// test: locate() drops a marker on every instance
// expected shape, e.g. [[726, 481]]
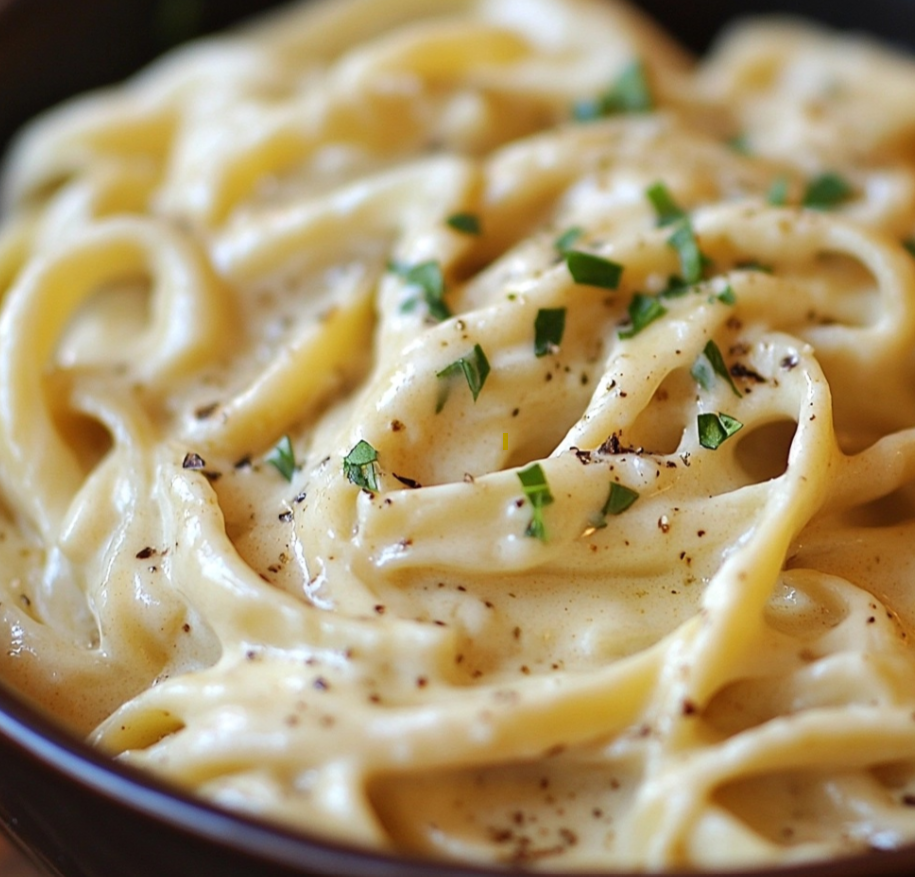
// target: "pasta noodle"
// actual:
[[477, 430]]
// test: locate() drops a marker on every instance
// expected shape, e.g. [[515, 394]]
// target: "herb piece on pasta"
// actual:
[[629, 93], [549, 327], [474, 367], [567, 240], [716, 429], [777, 195], [537, 493], [692, 261], [590, 270], [666, 208], [827, 191], [359, 465], [466, 223], [282, 458], [427, 277], [710, 363], [619, 500], [643, 310]]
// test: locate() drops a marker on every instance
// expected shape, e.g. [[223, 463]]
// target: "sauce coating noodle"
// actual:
[[478, 430]]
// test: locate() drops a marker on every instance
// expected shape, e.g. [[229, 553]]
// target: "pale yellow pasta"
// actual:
[[632, 593]]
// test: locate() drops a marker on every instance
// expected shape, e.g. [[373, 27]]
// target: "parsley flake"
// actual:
[[568, 239], [827, 191], [676, 287], [727, 296], [359, 465], [740, 143], [643, 310], [710, 362], [549, 326], [629, 93], [590, 270], [777, 195], [619, 499], [667, 210], [692, 261], [909, 244], [537, 493], [467, 223], [475, 368], [428, 278], [715, 429], [282, 458]]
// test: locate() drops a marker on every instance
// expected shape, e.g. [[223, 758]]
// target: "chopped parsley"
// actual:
[[428, 278], [667, 210], [475, 369], [709, 363], [777, 195], [827, 191], [629, 93], [909, 244], [282, 458], [676, 286], [549, 326], [643, 310], [754, 265], [740, 143], [359, 465], [537, 493], [727, 296], [590, 270], [568, 239], [715, 429], [619, 499], [467, 223], [692, 261]]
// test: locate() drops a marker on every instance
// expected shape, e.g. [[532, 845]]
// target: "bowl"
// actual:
[[74, 812]]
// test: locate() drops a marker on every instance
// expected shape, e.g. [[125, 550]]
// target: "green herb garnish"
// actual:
[[909, 244], [567, 239], [740, 143], [282, 458], [777, 195], [754, 265], [827, 191], [643, 310], [692, 261], [467, 223], [629, 93], [675, 288], [727, 296], [549, 326], [590, 270], [359, 465], [666, 209], [619, 499], [537, 493], [475, 369], [715, 429], [428, 278], [710, 362]]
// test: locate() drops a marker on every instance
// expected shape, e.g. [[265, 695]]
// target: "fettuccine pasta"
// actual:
[[477, 430]]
